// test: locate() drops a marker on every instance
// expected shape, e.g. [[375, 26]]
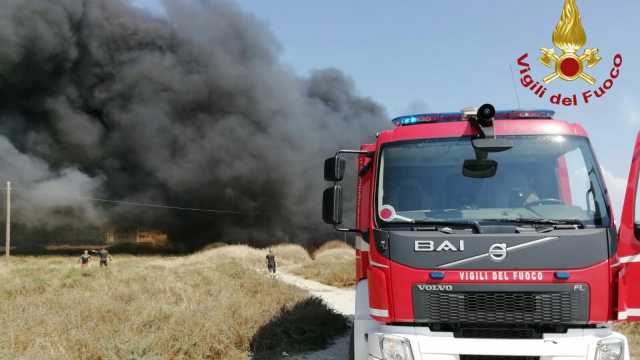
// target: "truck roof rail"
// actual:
[[460, 116]]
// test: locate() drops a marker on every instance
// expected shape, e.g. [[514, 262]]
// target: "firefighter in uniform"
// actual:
[[271, 262], [84, 258], [104, 256]]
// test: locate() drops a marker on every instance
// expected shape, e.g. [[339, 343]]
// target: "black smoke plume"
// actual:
[[99, 99]]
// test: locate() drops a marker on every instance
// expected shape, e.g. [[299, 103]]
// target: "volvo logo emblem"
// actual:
[[498, 252], [435, 287]]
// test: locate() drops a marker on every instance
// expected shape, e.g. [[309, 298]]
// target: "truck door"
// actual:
[[629, 245], [363, 210]]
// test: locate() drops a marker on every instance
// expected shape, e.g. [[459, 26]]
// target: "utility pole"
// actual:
[[7, 244]]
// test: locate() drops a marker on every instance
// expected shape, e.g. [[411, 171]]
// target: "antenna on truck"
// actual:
[[515, 88]]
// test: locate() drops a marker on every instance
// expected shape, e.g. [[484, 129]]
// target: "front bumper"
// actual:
[[576, 344]]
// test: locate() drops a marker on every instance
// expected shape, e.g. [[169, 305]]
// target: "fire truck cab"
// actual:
[[487, 235]]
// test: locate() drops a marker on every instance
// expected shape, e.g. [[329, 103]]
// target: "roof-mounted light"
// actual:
[[460, 116], [524, 114], [427, 118]]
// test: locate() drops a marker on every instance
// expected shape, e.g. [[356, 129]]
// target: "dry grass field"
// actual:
[[210, 305], [333, 264]]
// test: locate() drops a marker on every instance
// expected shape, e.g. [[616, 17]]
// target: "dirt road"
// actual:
[[342, 300]]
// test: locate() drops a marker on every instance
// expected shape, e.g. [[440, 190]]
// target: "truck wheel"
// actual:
[[351, 344]]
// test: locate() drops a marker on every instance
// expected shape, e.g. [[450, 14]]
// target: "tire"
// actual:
[[352, 344]]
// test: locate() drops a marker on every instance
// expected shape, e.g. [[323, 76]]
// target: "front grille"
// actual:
[[497, 333], [502, 304], [489, 357]]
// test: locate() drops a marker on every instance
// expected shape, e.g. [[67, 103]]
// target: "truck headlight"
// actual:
[[395, 348], [610, 349]]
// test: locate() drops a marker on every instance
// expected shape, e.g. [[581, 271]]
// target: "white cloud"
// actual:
[[634, 116], [617, 186], [631, 110]]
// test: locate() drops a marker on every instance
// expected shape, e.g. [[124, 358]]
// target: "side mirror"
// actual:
[[479, 169], [334, 168], [332, 205], [492, 144]]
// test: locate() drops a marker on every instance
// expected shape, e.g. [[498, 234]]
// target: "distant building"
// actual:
[[154, 238]]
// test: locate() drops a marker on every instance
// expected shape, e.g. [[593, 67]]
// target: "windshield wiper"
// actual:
[[401, 219], [539, 221], [473, 223]]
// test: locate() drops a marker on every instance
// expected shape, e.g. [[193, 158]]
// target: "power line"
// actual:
[[162, 206], [143, 204]]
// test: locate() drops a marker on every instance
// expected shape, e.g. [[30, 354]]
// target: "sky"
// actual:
[[439, 56]]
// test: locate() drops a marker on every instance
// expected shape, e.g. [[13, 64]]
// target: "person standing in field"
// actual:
[[271, 262], [84, 259], [104, 257]]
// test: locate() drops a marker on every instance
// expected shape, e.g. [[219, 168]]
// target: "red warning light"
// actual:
[[387, 212]]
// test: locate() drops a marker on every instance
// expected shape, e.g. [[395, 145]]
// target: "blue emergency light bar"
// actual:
[[460, 116]]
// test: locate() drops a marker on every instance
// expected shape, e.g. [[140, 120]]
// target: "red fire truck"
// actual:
[[487, 235]]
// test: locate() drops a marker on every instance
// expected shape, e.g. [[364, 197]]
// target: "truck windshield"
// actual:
[[550, 178]]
